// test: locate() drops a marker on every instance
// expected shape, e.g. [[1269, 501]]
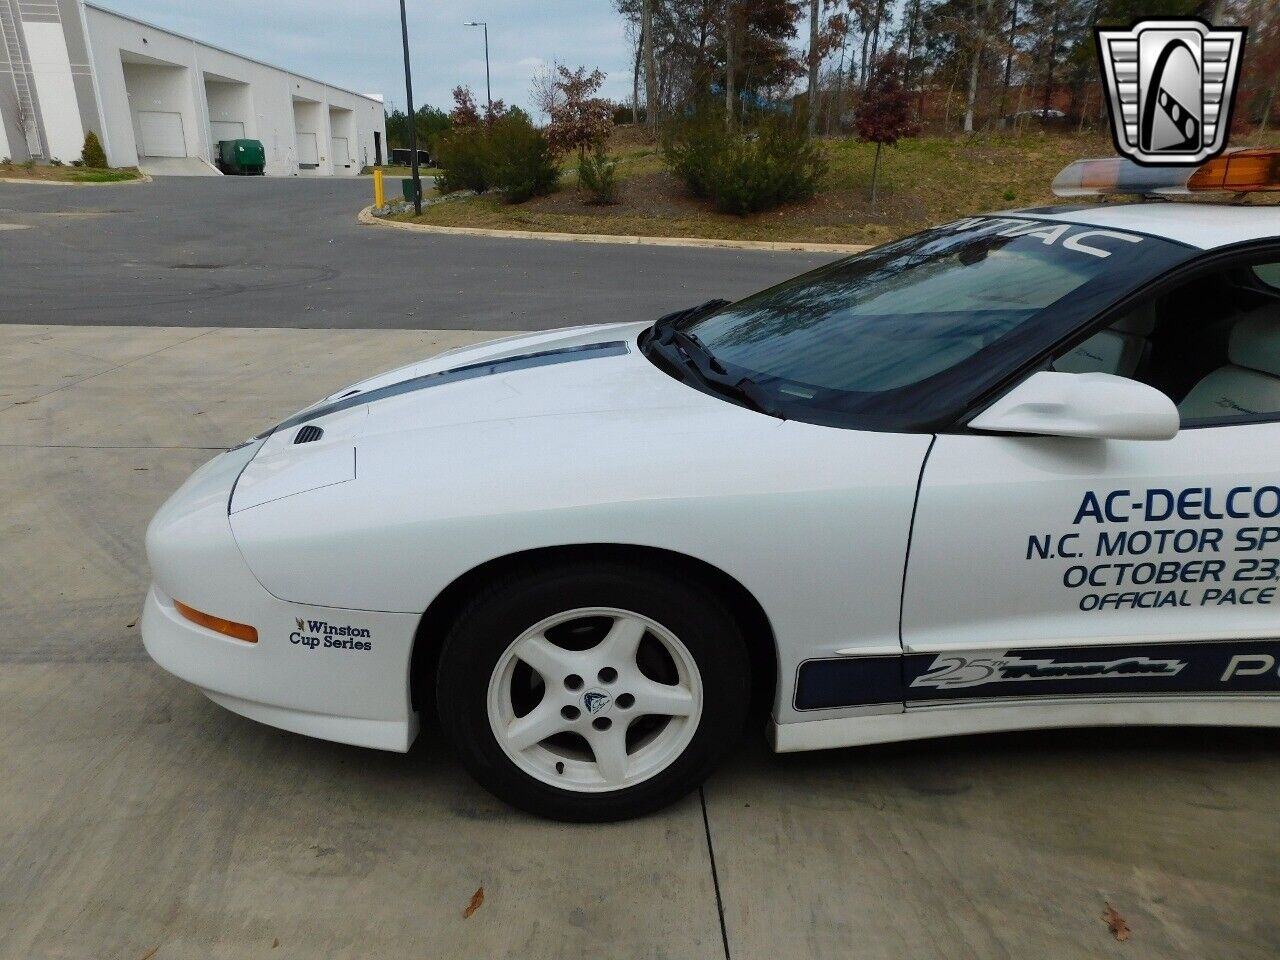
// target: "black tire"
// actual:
[[498, 614]]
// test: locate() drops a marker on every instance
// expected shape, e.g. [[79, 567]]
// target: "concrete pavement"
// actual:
[[268, 252], [138, 820]]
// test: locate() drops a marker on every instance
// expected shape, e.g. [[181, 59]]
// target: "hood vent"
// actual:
[[308, 434]]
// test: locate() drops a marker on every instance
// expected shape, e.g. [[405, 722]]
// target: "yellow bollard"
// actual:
[[379, 198]]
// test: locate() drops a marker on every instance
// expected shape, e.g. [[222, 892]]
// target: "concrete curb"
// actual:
[[141, 178], [366, 216]]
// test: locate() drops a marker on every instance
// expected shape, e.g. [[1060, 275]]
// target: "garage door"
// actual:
[[308, 153], [340, 152], [161, 134], [227, 130]]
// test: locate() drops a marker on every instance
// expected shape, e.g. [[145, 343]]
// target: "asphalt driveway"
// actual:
[[139, 820], [281, 252]]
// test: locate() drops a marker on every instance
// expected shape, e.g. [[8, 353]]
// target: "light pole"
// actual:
[[413, 120], [488, 90]]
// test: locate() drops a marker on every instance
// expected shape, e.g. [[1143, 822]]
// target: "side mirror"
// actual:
[[1095, 405]]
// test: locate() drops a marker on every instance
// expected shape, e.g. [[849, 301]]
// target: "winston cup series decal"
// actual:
[[1170, 85], [322, 635]]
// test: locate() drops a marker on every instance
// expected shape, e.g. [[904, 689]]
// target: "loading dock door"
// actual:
[[308, 152], [226, 130], [340, 152], [161, 134]]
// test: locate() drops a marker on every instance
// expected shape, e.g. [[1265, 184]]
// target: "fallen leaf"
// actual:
[[477, 899], [150, 953], [275, 943], [1115, 923]]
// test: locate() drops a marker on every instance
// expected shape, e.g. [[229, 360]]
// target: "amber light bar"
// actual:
[[241, 631], [1238, 171], [1241, 171]]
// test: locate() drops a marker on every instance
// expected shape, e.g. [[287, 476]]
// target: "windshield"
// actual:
[[897, 337]]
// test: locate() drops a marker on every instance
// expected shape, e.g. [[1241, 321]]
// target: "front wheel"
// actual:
[[593, 692]]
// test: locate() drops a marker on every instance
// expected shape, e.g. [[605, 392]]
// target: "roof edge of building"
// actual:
[[213, 46]]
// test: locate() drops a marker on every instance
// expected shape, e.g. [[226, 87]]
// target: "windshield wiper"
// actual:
[[703, 364], [670, 321], [694, 356]]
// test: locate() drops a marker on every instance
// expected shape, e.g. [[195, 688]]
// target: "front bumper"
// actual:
[[326, 672]]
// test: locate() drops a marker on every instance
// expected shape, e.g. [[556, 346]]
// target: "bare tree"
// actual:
[[1008, 57], [543, 92], [650, 66], [981, 16], [730, 59], [814, 59], [633, 36]]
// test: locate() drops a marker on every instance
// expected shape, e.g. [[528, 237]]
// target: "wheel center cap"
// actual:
[[596, 701]]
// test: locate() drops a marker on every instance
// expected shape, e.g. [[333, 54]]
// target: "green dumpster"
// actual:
[[242, 157]]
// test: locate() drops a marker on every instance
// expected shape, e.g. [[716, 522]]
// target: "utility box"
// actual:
[[245, 158], [406, 189]]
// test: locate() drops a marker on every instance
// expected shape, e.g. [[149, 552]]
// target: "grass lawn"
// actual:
[[923, 181], [67, 174]]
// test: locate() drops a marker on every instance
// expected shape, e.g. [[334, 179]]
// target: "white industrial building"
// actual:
[[162, 101]]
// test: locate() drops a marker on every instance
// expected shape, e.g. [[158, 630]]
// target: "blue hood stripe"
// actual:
[[472, 371]]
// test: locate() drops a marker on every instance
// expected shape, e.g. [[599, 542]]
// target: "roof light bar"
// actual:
[[1238, 171]]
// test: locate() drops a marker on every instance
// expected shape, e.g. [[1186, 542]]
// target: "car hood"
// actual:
[[595, 377]]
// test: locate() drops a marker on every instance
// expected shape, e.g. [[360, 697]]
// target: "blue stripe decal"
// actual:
[[1207, 667], [487, 368]]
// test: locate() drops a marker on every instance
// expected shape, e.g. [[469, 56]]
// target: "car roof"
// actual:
[[1202, 225]]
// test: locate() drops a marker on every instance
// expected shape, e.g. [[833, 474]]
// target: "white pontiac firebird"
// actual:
[[1018, 471]]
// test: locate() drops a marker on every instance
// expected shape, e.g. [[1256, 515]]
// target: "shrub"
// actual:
[[597, 174], [55, 162], [519, 159], [93, 154], [463, 155], [623, 114], [510, 153], [29, 163], [745, 173]]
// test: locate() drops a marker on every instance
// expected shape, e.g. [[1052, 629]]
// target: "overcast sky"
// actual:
[[356, 43]]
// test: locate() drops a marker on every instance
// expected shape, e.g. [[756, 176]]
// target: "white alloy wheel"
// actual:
[[595, 699]]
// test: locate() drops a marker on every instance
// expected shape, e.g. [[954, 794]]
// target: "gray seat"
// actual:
[[1119, 349], [1249, 385]]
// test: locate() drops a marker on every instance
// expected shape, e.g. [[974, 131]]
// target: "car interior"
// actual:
[[1213, 346]]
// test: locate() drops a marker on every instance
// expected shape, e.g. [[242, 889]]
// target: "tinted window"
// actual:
[[897, 337]]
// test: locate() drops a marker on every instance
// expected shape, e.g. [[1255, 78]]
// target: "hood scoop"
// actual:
[[309, 434]]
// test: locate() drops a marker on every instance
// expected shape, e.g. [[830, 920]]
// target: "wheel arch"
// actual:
[[752, 620]]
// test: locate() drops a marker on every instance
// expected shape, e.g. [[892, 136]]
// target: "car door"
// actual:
[[1047, 567]]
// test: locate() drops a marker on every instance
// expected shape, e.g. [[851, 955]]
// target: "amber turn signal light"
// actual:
[[241, 631]]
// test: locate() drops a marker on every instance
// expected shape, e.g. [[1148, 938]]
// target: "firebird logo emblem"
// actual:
[[595, 701]]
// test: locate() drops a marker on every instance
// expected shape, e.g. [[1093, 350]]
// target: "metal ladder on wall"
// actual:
[[9, 20]]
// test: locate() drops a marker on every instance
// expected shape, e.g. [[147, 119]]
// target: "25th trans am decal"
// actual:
[[1210, 667]]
